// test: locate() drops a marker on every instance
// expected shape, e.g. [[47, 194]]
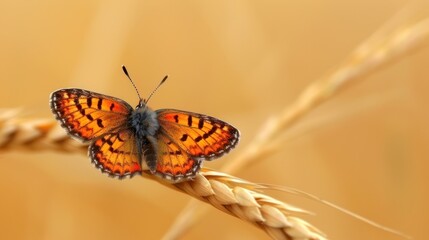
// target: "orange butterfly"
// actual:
[[173, 143]]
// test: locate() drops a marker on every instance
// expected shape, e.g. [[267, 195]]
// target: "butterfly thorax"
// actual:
[[143, 121], [144, 124]]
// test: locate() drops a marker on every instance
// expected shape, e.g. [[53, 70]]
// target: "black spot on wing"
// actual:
[[190, 120], [177, 152], [119, 138], [184, 137], [201, 123], [99, 104], [213, 130], [109, 141], [89, 101], [100, 123]]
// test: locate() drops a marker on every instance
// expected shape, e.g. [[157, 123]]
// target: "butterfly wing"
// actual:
[[185, 139], [116, 154], [87, 115], [173, 163]]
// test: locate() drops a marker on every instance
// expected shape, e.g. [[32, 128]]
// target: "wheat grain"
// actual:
[[243, 200], [34, 134]]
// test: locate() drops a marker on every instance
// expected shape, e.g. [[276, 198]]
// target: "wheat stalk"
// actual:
[[380, 49], [237, 197], [243, 199], [34, 134]]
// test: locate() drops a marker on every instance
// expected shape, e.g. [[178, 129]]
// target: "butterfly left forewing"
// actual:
[[185, 139]]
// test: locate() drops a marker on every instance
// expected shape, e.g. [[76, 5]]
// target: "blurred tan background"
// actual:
[[242, 61]]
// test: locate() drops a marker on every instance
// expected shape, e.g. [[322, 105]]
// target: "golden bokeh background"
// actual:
[[366, 149]]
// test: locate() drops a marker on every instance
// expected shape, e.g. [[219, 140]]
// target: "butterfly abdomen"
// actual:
[[145, 126]]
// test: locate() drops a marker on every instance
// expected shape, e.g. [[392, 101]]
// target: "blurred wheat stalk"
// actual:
[[234, 196], [383, 47]]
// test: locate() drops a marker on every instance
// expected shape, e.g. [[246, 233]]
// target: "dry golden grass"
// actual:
[[225, 192]]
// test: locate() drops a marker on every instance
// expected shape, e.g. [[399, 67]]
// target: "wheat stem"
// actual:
[[377, 51]]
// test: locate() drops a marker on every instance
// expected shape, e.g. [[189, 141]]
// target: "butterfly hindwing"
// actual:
[[116, 154], [87, 115], [173, 163]]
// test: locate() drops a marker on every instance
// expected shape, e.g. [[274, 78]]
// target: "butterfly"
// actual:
[[124, 141]]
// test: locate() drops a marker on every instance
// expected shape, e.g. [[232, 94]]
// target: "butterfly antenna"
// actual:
[[159, 85], [128, 76]]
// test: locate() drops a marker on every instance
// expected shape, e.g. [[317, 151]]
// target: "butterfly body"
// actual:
[[144, 125], [124, 141]]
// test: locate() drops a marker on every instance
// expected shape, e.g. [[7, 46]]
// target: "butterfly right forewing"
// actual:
[[87, 115]]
